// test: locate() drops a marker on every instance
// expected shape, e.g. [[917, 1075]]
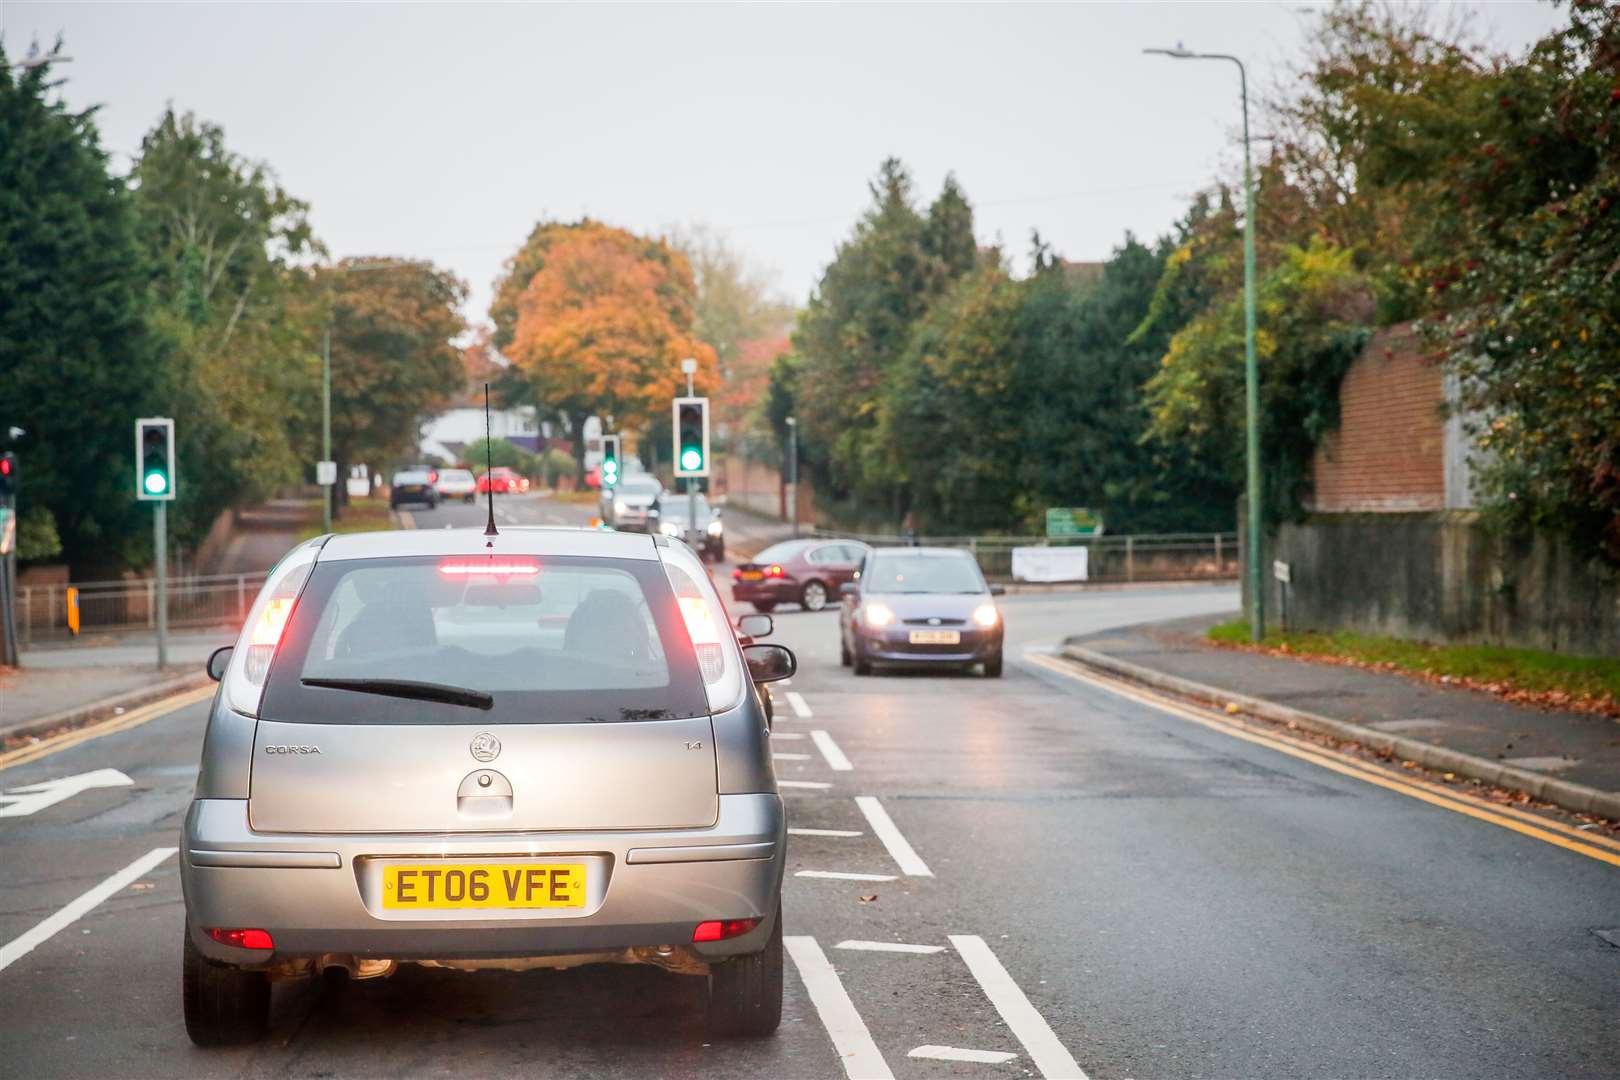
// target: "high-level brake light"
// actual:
[[479, 566]]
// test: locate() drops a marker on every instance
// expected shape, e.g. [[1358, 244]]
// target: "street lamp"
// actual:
[[1251, 370], [326, 376]]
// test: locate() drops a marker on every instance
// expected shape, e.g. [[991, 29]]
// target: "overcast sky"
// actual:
[[445, 130]]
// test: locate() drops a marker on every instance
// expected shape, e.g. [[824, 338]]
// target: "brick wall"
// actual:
[[1389, 451]]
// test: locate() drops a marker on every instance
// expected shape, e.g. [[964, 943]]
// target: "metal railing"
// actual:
[[1148, 557], [114, 606]]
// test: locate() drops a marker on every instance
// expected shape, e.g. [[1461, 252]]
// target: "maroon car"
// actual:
[[803, 572]]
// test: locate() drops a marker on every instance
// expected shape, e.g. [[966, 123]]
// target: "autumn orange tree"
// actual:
[[602, 326]]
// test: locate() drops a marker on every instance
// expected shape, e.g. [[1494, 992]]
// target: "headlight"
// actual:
[[714, 528], [619, 506], [878, 615], [986, 615], [669, 528]]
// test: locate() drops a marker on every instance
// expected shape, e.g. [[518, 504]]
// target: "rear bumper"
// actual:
[[771, 590], [317, 894]]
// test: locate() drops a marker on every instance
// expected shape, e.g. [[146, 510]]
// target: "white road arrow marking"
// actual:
[[32, 798]]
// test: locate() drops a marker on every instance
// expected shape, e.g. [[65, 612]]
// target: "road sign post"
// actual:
[[155, 483]]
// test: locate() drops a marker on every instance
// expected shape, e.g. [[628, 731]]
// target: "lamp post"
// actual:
[[793, 472], [1251, 370], [326, 374]]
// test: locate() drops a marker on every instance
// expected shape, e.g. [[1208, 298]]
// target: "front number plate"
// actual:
[[936, 637], [441, 886]]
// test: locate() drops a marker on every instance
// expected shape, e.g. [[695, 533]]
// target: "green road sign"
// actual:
[[1073, 521]]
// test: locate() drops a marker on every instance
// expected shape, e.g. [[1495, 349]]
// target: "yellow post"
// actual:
[[73, 610]]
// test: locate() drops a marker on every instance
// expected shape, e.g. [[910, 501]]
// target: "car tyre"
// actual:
[[992, 667], [223, 1005], [764, 607], [843, 652], [813, 597], [861, 664], [745, 992]]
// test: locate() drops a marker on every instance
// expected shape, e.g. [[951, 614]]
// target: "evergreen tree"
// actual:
[[78, 359]]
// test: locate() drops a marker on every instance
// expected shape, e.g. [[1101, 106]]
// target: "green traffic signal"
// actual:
[[154, 466], [156, 483], [691, 435]]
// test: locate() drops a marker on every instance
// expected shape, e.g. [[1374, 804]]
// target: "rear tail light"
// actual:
[[248, 939], [721, 929], [775, 571], [705, 635]]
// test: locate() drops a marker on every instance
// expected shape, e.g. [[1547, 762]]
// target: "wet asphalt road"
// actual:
[[1164, 899]]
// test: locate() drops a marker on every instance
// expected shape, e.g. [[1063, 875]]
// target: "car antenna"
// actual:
[[489, 467]]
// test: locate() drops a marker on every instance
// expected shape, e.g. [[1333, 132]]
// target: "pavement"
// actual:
[[1062, 880], [1580, 747]]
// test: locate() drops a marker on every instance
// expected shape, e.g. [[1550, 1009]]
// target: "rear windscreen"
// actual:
[[550, 640]]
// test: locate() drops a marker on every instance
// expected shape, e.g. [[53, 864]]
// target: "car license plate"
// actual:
[[440, 886], [752, 575], [935, 637]]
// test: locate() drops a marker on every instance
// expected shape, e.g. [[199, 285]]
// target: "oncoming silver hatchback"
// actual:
[[538, 749]]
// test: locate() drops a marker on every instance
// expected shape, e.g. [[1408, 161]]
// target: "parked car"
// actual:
[[804, 572], [457, 484], [707, 536], [920, 606], [591, 781], [503, 481], [412, 486], [627, 507]]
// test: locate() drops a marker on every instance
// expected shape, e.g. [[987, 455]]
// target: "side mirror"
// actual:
[[217, 661], [770, 663], [756, 624], [848, 588], [998, 590]]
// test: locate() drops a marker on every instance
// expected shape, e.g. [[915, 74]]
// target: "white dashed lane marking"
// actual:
[[829, 750], [800, 708], [786, 735], [904, 855], [859, 1055], [824, 832], [20, 947], [1045, 1051], [956, 1053], [839, 875], [780, 756], [813, 785], [888, 946]]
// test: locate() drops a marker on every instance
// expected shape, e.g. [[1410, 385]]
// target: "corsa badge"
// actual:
[[485, 747]]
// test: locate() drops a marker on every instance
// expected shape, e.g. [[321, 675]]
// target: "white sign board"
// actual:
[[326, 473], [1050, 563], [1282, 571]]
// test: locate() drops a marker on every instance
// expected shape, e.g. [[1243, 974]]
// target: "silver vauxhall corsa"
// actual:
[[538, 749]]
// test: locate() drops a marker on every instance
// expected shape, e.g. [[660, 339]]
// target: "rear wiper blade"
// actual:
[[407, 688]]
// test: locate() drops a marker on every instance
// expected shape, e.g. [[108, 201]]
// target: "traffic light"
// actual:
[[154, 459], [8, 474], [610, 461], [691, 436]]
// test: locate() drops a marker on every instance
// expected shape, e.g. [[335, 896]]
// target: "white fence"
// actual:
[[1149, 557]]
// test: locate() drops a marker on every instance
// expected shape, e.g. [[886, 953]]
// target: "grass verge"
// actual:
[[361, 515], [1554, 680]]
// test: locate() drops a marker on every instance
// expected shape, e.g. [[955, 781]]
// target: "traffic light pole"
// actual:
[[326, 426], [691, 481], [160, 543], [8, 593]]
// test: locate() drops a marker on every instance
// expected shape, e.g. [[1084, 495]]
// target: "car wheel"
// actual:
[[745, 992], [861, 664], [764, 607], [224, 1006], [992, 667], [843, 651], [814, 596]]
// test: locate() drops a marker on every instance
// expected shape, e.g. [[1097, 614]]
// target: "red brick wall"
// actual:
[[1389, 451]]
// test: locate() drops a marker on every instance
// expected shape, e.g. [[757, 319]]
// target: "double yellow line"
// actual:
[[1592, 845], [111, 726]]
